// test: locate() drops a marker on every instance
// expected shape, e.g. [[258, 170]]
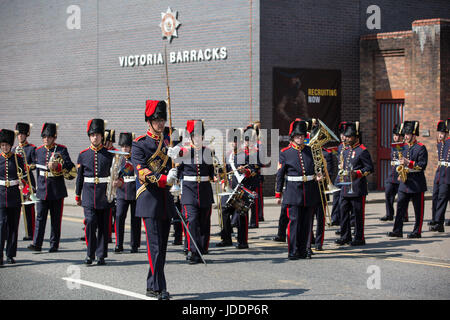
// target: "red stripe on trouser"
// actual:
[[209, 231], [148, 247], [363, 215], [60, 217], [187, 226], [33, 220], [115, 229], [257, 212], [85, 235], [421, 212], [288, 229], [323, 229]]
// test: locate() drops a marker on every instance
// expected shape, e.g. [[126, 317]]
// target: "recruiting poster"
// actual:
[[305, 93]]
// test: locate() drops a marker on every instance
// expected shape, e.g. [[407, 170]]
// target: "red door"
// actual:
[[390, 112]]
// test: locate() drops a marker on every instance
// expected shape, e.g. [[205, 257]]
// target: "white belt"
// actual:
[[40, 166], [196, 178], [395, 163], [129, 179], [300, 178], [96, 180], [444, 163], [46, 174], [9, 183]]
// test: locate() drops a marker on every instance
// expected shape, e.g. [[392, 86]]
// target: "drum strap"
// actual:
[[239, 177]]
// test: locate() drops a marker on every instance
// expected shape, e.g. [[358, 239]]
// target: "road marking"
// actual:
[[108, 288]]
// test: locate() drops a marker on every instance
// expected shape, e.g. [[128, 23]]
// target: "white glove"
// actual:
[[174, 152], [172, 176]]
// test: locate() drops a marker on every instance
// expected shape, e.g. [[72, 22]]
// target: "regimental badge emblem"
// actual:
[[169, 24]]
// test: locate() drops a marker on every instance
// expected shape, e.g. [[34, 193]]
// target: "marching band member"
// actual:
[[154, 202], [126, 197], [336, 211], [357, 163], [234, 137], [10, 197], [253, 182], [53, 163], [196, 171], [412, 181], [94, 165], [441, 190], [302, 191], [392, 183], [30, 152], [108, 142]]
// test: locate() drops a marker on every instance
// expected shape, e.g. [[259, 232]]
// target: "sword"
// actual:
[[190, 236]]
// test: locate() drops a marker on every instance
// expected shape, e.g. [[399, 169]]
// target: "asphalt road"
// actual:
[[383, 269]]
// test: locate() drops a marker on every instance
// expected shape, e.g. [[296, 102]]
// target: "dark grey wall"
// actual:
[[50, 73]]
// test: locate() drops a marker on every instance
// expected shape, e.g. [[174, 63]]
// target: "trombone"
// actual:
[[31, 197]]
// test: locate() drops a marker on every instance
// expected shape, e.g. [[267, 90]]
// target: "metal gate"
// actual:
[[389, 112]]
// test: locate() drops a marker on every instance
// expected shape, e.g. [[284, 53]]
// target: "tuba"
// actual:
[[319, 138], [114, 174]]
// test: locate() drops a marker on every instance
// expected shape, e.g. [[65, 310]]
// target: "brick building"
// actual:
[[405, 76], [61, 66]]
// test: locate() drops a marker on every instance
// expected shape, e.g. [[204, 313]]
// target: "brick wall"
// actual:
[[408, 62]]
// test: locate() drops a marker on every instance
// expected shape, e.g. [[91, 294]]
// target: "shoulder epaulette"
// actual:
[[420, 144], [84, 150], [61, 145], [284, 149], [363, 146], [139, 138], [32, 145], [39, 147]]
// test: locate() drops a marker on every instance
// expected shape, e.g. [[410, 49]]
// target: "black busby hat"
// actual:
[[441, 126], [7, 136], [342, 126], [234, 135], [352, 129], [195, 126], [250, 133], [96, 126], [155, 109], [410, 127], [397, 129], [49, 129], [298, 127], [110, 135], [126, 139], [24, 128]]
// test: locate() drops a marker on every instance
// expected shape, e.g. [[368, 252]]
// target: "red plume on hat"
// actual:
[[155, 109], [192, 126], [291, 127]]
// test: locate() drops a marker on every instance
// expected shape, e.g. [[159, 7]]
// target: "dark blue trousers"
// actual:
[[96, 232], [157, 234], [56, 211], [121, 215], [9, 227]]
